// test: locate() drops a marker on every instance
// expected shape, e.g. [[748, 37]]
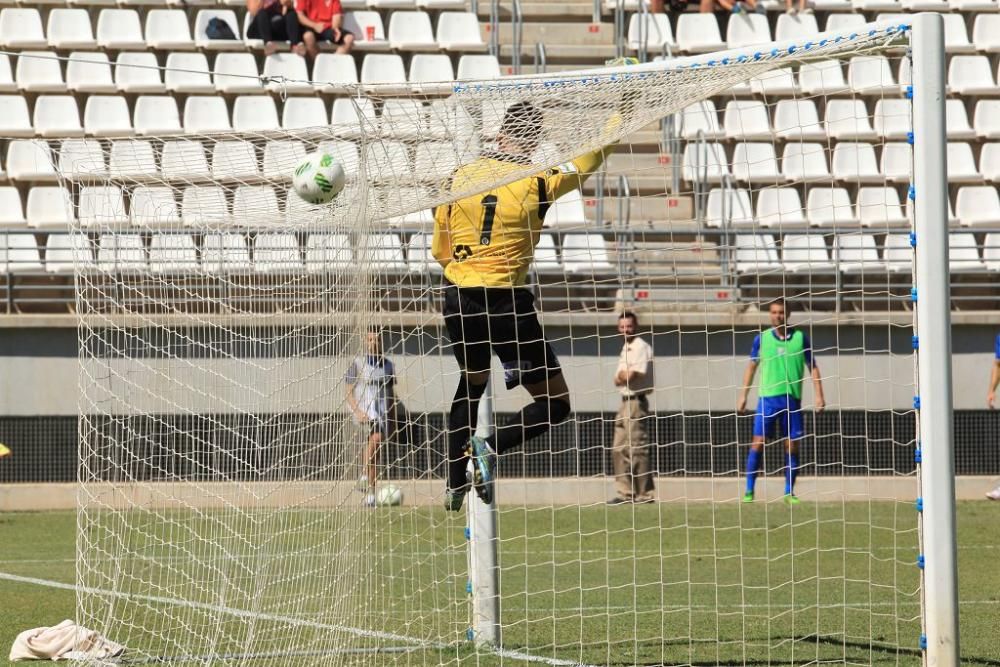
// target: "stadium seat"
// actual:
[[779, 207], [796, 26], [39, 72], [287, 74], [107, 116], [188, 73], [892, 119], [546, 259], [871, 75], [875, 5], [755, 163], [843, 21], [822, 78], [952, 220], [334, 72], [383, 68], [207, 114], [746, 29], [254, 113], [57, 116], [656, 33], [65, 252], [29, 160], [879, 206], [119, 29], [989, 162], [14, 118], [957, 120], [963, 256], [897, 161], [69, 29], [855, 162], [138, 72], [567, 211], [168, 30], [410, 197], [857, 253], [971, 75], [756, 254], [11, 209], [102, 205], [709, 162], [19, 253], [977, 205], [328, 252], [478, 67], [986, 32], [419, 257], [225, 253], [728, 207], [281, 157], [347, 153], [132, 159], [805, 253], [234, 159], [924, 5], [441, 4], [459, 31], [804, 162], [403, 119], [586, 254], [172, 253], [7, 83], [848, 119], [154, 206], [89, 73], [156, 115], [81, 157], [184, 160], [775, 83], [384, 251], [204, 205], [699, 33], [986, 119], [897, 253], [344, 115], [956, 35], [121, 253], [411, 31], [700, 117], [798, 120], [391, 4], [236, 73], [746, 119], [426, 67], [21, 28], [358, 23], [961, 164], [201, 39], [300, 112], [255, 206], [829, 207], [49, 206], [388, 161], [991, 251]]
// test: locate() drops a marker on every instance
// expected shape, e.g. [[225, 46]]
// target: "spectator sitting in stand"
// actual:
[[322, 21], [275, 21]]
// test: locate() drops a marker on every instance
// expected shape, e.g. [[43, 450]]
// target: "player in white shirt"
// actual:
[[630, 453]]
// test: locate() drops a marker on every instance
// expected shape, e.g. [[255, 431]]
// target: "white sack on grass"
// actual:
[[66, 641]]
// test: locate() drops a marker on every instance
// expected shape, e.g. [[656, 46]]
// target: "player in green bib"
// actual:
[[783, 354]]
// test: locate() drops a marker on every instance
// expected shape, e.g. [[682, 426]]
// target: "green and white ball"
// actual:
[[389, 496], [319, 178]]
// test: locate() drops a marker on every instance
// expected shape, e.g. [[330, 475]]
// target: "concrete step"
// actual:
[[559, 10], [549, 33]]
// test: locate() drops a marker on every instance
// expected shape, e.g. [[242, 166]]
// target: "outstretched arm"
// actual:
[[820, 400], [748, 375], [994, 380]]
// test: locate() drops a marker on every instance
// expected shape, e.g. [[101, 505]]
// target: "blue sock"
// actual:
[[793, 470], [753, 464]]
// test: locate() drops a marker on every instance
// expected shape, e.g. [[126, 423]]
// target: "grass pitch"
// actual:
[[694, 584]]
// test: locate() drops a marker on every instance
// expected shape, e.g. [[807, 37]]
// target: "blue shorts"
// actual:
[[776, 413]]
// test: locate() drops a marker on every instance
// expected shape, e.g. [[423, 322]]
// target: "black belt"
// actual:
[[637, 397]]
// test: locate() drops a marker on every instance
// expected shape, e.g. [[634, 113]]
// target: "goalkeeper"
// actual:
[[486, 244]]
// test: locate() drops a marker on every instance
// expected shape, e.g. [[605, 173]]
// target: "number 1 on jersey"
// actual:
[[489, 204]]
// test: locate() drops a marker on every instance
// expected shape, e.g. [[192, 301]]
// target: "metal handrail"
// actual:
[[541, 62], [596, 15], [495, 28], [619, 28], [626, 276], [727, 261], [517, 26], [670, 144], [623, 194], [643, 33]]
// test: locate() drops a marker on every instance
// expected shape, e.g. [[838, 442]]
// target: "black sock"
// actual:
[[461, 422], [532, 421]]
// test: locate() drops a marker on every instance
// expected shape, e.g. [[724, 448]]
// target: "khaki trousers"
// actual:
[[630, 452]]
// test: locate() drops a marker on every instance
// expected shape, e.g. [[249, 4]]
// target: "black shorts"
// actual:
[[392, 426], [327, 35], [484, 320]]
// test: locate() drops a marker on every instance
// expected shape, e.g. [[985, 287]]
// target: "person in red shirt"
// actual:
[[321, 22]]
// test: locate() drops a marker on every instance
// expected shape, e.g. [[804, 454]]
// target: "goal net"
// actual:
[[226, 327]]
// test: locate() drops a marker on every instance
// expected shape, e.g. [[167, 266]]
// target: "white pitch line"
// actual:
[[527, 657]]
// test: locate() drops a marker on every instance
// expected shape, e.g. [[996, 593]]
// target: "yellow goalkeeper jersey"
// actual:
[[489, 240]]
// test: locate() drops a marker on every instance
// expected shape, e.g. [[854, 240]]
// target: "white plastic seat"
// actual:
[[29, 160], [289, 73], [426, 67], [14, 118], [709, 161], [892, 119], [153, 206], [388, 161], [586, 253], [829, 207], [989, 162], [755, 162], [391, 4], [957, 121], [236, 73], [172, 253], [855, 162], [728, 207], [419, 257], [300, 112], [746, 119], [66, 252], [256, 113], [81, 157], [879, 206], [848, 119], [225, 253], [188, 73], [156, 115], [281, 157], [21, 28], [328, 252], [986, 31], [567, 211], [49, 206], [19, 254], [442, 4], [138, 72], [459, 31], [963, 255], [798, 120], [346, 153], [478, 67], [168, 30], [843, 21], [183, 160], [344, 115], [805, 253], [334, 72], [545, 258], [234, 159], [89, 73], [977, 205], [383, 251], [11, 209], [971, 75], [991, 251], [107, 116], [804, 162], [411, 31], [779, 207], [857, 253], [132, 159], [383, 68], [756, 254], [119, 29], [358, 22], [796, 26], [276, 253], [255, 206], [871, 75], [57, 116], [897, 253], [961, 164], [822, 78], [420, 218], [986, 119], [7, 83], [775, 83], [206, 114], [876, 5], [122, 253], [699, 33], [746, 29], [102, 205], [701, 117], [656, 33], [39, 72], [69, 29], [201, 38], [204, 205], [403, 119], [956, 36], [896, 163]]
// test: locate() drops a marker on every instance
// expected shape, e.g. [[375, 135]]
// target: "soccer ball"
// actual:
[[319, 178], [389, 496]]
